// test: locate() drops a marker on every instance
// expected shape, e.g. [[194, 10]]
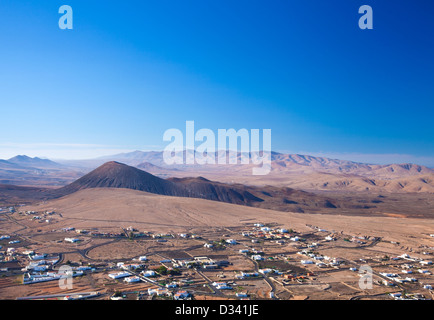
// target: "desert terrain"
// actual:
[[134, 228], [118, 225]]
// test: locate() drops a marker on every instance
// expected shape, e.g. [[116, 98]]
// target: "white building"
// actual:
[[148, 273], [411, 279], [265, 271], [423, 271], [249, 274], [158, 292], [38, 268], [38, 256], [222, 286], [132, 279], [118, 275]]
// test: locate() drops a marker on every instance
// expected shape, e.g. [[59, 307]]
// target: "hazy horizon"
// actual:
[[380, 159]]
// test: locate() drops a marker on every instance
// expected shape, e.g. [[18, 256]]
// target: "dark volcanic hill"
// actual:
[[117, 175], [267, 197], [212, 190]]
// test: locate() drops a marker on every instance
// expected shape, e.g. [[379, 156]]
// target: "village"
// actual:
[[252, 261]]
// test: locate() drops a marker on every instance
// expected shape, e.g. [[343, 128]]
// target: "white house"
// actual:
[[83, 268], [148, 273], [158, 292], [118, 275], [38, 268], [38, 256], [222, 286], [132, 279], [265, 271], [249, 274]]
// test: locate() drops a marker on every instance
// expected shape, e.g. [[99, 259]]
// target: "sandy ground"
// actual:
[[124, 207]]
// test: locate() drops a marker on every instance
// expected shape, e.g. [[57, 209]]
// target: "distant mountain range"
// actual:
[[24, 170], [287, 170], [284, 162], [298, 171], [25, 161]]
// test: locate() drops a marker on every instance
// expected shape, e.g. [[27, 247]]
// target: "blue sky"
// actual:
[[129, 71]]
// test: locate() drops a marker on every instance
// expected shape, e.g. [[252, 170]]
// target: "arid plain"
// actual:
[[203, 239]]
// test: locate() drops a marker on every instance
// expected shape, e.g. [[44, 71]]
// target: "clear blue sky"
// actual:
[[130, 70]]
